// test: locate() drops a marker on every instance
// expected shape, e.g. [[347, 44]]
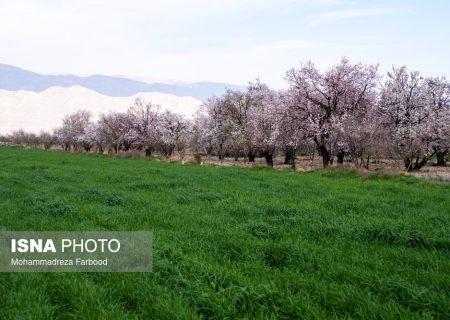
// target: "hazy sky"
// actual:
[[225, 41]]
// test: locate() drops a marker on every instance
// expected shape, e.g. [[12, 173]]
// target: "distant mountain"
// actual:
[[35, 111], [13, 79]]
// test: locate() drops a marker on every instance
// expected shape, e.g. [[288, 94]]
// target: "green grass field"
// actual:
[[231, 242]]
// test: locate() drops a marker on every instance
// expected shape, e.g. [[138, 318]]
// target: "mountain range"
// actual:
[[35, 102], [14, 78]]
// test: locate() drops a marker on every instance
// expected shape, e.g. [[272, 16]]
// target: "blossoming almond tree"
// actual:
[[174, 131], [415, 113], [237, 105], [114, 130], [143, 121], [438, 98], [359, 135], [202, 137], [74, 125], [218, 125], [322, 100], [264, 119]]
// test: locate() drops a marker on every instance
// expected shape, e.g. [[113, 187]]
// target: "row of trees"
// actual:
[[142, 127], [343, 113]]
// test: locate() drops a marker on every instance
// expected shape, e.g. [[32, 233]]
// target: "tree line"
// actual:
[[349, 112]]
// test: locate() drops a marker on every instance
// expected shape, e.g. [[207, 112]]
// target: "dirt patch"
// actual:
[[438, 174]]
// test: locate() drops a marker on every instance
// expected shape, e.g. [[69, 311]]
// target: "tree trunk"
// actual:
[[368, 162], [251, 157], [148, 152], [325, 155], [440, 156], [269, 159], [340, 157], [312, 155], [408, 164], [289, 155], [220, 152], [419, 163]]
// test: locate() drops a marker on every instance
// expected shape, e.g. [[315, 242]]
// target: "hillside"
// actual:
[[34, 111]]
